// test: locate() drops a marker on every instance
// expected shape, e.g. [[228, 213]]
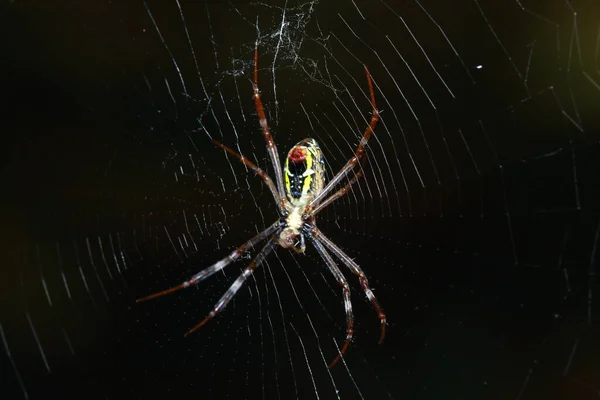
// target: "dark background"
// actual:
[[477, 221]]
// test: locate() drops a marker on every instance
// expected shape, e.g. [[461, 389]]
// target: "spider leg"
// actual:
[[263, 175], [336, 195], [360, 150], [342, 192], [235, 286], [346, 292], [219, 265], [356, 270], [262, 119]]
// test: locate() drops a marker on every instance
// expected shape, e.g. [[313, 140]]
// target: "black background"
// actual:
[[486, 271]]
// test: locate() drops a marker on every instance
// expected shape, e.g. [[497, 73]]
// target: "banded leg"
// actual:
[[219, 265], [262, 119], [356, 270], [360, 150], [345, 291], [262, 174], [336, 195], [235, 286]]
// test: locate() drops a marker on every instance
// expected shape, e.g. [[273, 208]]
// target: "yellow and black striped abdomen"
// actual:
[[304, 172]]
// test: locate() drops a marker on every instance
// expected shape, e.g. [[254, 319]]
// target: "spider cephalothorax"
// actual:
[[298, 202]]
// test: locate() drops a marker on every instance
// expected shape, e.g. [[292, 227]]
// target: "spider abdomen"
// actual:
[[304, 172]]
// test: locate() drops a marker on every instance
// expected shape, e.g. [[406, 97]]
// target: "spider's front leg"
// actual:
[[356, 270], [322, 244], [236, 285], [218, 266], [339, 277]]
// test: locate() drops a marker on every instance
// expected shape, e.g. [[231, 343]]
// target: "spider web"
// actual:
[[476, 220]]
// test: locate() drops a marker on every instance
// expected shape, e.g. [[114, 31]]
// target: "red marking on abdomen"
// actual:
[[298, 154]]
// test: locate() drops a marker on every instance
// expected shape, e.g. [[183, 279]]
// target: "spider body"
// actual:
[[304, 174], [300, 193]]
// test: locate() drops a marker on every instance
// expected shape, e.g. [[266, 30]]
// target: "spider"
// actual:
[[298, 200]]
